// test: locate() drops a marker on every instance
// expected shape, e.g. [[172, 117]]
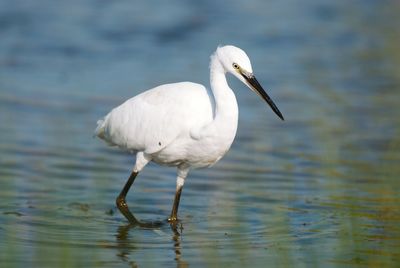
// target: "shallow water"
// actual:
[[319, 189]]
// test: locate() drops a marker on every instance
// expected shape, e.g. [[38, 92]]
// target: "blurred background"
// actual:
[[319, 189]]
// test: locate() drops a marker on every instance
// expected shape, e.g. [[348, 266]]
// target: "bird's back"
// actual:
[[153, 119]]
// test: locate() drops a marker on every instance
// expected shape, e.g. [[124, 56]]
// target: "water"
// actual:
[[319, 189]]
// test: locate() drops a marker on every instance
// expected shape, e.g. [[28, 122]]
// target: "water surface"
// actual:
[[319, 189]]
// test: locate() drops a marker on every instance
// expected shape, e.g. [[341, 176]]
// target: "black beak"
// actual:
[[251, 79]]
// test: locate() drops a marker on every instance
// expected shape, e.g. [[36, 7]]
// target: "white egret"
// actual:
[[181, 124]]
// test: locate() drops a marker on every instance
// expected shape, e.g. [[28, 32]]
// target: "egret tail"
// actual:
[[99, 132]]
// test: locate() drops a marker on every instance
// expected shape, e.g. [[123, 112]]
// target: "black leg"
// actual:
[[174, 212], [121, 203]]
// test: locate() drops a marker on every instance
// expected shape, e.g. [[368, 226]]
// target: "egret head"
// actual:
[[235, 61]]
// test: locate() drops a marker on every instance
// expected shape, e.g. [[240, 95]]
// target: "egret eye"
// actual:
[[236, 66]]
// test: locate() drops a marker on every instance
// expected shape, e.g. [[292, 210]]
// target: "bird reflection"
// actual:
[[126, 245], [177, 229]]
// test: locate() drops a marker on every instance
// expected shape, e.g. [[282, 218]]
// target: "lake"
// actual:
[[320, 189]]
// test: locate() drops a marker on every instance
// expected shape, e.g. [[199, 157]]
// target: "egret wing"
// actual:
[[150, 121]]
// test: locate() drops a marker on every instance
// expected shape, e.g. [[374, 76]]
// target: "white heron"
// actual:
[[181, 124]]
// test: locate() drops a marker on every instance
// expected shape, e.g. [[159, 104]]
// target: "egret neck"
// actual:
[[226, 107]]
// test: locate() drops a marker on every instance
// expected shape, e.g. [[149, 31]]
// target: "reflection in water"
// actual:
[[125, 245], [177, 229]]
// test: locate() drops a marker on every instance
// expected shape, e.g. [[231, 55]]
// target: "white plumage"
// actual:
[[181, 124], [155, 121]]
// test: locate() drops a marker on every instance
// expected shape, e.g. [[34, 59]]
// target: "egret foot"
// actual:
[[172, 219], [174, 212], [121, 203]]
